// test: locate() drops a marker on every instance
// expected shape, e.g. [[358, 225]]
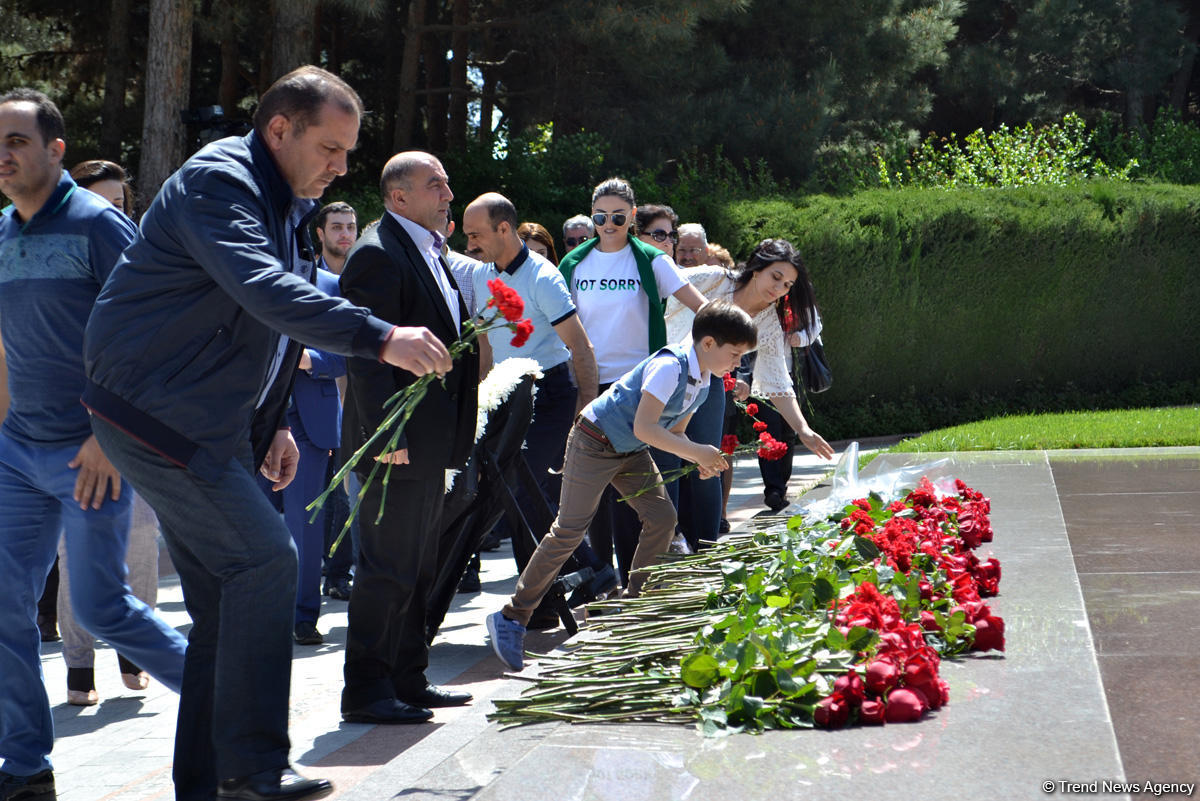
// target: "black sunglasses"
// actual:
[[573, 241], [618, 219], [663, 236]]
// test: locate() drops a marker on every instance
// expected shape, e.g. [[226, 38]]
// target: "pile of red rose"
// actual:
[[929, 543]]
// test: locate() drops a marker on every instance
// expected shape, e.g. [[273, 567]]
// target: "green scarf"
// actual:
[[643, 254]]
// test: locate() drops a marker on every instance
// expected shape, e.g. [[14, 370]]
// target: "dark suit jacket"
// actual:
[[386, 273], [316, 408]]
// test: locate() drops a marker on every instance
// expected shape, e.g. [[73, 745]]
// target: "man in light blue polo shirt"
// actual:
[[490, 223]]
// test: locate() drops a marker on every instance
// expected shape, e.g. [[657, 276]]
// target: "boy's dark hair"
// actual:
[[49, 118], [726, 323]]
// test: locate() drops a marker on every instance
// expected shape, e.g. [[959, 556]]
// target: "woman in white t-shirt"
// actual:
[[618, 284], [772, 283]]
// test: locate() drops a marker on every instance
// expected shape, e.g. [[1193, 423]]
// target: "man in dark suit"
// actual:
[[397, 271]]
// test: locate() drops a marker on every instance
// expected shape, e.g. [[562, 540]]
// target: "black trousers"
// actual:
[[386, 653]]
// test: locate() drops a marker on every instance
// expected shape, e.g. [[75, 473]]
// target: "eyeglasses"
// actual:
[[575, 241], [618, 219], [663, 236]]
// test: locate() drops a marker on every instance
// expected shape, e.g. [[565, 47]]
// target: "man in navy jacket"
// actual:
[[190, 353]]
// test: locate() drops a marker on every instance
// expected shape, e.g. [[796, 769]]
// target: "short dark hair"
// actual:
[[726, 323], [300, 96], [651, 212], [336, 207], [618, 187], [88, 173], [49, 118]]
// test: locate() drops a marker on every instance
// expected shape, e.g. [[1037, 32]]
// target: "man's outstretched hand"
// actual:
[[417, 350]]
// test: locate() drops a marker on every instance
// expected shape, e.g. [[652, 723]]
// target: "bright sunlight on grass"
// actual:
[[1124, 428]]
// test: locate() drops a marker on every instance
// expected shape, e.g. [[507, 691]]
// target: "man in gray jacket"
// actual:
[[191, 351]]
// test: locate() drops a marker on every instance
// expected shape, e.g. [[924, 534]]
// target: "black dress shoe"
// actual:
[[306, 633], [774, 501], [387, 711], [274, 785], [433, 696], [470, 582], [338, 590]]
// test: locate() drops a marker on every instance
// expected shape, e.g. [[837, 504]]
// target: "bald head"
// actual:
[[415, 186], [490, 224], [499, 209]]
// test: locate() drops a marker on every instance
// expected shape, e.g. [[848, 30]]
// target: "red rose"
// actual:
[[524, 329], [871, 712], [729, 444], [928, 621], [989, 634], [862, 503], [759, 425], [905, 705], [882, 675], [729, 381], [832, 712], [751, 409], [850, 685], [919, 670]]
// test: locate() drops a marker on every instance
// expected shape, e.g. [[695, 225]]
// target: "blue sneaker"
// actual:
[[508, 640]]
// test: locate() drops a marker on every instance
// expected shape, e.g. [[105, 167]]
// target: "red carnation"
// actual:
[[524, 329], [751, 409], [759, 425], [729, 381], [507, 299], [729, 444]]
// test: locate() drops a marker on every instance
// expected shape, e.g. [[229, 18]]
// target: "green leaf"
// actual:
[[823, 590], [795, 522], [859, 638], [698, 670], [867, 549], [778, 601]]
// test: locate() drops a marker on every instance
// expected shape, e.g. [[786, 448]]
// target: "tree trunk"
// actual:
[[437, 76], [168, 81], [292, 42], [410, 65], [391, 72], [227, 89], [116, 70], [456, 132]]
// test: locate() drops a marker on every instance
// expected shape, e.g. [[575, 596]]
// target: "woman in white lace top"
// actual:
[[772, 281]]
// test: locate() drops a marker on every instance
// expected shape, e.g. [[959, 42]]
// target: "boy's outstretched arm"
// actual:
[[646, 427]]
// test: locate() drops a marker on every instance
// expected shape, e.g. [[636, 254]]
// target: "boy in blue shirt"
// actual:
[[648, 406]]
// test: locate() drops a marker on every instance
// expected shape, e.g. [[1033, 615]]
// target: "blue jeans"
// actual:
[[36, 502], [699, 501], [237, 566]]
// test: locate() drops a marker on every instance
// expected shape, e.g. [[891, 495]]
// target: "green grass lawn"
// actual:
[[1126, 428]]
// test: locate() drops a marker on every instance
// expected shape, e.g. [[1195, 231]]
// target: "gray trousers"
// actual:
[[142, 560]]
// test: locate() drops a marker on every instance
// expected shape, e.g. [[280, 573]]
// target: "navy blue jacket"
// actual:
[[180, 342], [316, 411]]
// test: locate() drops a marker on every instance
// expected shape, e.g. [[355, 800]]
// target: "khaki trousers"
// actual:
[[590, 466]]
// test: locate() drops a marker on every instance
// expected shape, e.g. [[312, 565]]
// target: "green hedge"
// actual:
[[942, 306]]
